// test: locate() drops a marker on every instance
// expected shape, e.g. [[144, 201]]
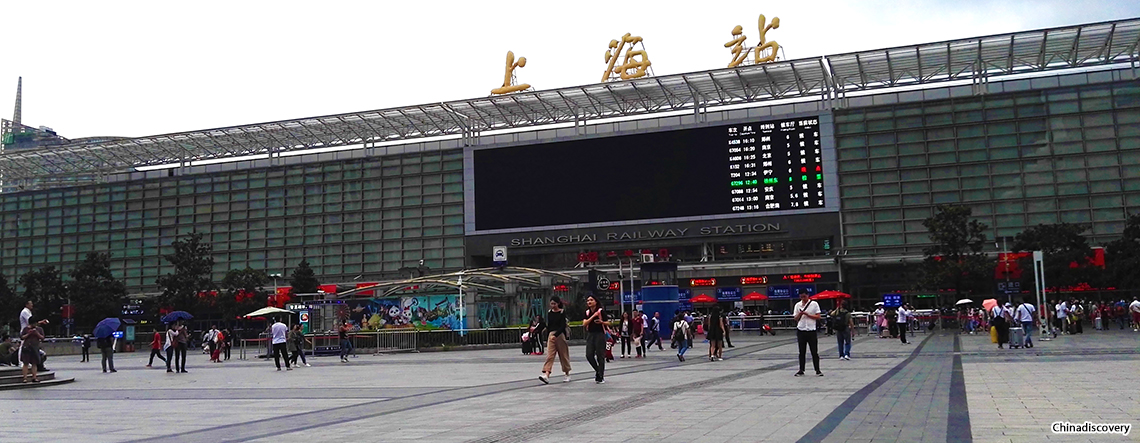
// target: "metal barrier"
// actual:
[[366, 342], [262, 343], [756, 323]]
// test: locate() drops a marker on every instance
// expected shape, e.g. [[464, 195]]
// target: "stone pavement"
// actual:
[[943, 387]]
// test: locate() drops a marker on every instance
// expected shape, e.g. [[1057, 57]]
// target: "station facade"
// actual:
[[1018, 150]]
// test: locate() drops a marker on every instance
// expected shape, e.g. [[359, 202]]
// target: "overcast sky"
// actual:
[[146, 68]]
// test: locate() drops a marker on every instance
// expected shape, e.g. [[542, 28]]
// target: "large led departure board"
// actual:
[[745, 168]]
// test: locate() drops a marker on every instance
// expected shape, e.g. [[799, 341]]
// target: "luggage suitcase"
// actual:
[[1100, 323], [993, 334], [1016, 337]]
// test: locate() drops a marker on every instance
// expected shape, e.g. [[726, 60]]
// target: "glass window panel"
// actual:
[[912, 160], [1072, 175], [884, 151], [976, 195], [1073, 188], [884, 163], [1074, 203], [1003, 153], [1039, 191], [855, 191], [975, 182], [912, 148], [1100, 145], [1102, 160], [915, 174], [881, 139], [916, 186], [1068, 148], [940, 146], [856, 203], [1076, 216], [1106, 186], [946, 197], [944, 158], [888, 201]]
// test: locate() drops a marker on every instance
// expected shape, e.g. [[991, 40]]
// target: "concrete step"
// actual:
[[42, 383], [8, 379]]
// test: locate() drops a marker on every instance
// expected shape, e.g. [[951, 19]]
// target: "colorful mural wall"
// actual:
[[422, 312]]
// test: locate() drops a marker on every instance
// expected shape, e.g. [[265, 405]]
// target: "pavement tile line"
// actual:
[[958, 418], [285, 424], [553, 425], [822, 429]]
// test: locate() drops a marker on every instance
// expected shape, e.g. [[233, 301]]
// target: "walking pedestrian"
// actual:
[[86, 345], [655, 329], [625, 329], [595, 321], [844, 327], [278, 332], [1025, 318], [637, 329], [170, 347], [692, 327], [181, 346], [291, 346], [156, 348], [556, 329], [644, 338], [30, 338], [229, 343], [805, 314], [211, 339], [1000, 323], [217, 343], [714, 332], [345, 343], [903, 318], [681, 335], [298, 339], [1134, 310], [107, 349], [728, 332]]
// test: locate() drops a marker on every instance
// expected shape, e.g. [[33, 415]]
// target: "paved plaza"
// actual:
[[944, 387]]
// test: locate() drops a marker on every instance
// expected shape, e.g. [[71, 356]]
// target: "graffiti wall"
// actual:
[[492, 314], [423, 312]]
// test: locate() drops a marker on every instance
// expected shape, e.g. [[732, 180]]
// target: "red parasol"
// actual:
[[755, 296], [703, 298], [829, 295]]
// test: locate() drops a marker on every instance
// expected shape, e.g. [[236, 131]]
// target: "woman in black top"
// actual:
[[714, 332], [556, 341], [596, 338]]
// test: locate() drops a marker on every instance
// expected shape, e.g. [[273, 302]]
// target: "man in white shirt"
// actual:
[[806, 314], [1024, 316], [903, 318], [1063, 314], [25, 315], [278, 331], [1133, 308]]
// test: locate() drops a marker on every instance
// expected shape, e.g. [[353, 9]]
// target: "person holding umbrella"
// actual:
[[103, 332]]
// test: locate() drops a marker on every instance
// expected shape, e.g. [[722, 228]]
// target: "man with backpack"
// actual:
[[844, 326], [681, 335]]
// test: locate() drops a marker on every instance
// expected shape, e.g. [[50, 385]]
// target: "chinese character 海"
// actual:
[[636, 61]]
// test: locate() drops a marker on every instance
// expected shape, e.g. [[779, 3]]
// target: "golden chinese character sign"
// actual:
[[763, 53], [509, 84], [635, 63]]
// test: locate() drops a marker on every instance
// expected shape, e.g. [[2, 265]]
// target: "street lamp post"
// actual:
[[275, 277]]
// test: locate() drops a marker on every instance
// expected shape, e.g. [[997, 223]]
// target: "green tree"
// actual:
[[95, 293], [303, 280], [955, 260], [1062, 244], [243, 291], [192, 267], [1122, 257], [44, 287], [10, 305]]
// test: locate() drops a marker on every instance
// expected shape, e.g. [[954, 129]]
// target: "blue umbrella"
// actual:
[[106, 327], [176, 316]]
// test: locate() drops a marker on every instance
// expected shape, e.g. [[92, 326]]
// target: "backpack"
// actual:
[[679, 332]]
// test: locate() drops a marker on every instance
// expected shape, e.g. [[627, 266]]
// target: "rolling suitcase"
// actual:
[[1016, 337]]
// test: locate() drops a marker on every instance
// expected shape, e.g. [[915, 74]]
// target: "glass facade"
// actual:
[[370, 216], [1018, 159]]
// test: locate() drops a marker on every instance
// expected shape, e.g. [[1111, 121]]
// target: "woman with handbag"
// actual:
[[556, 331], [595, 324]]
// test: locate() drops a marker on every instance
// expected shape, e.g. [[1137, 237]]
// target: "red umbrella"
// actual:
[[755, 296], [829, 295], [703, 298]]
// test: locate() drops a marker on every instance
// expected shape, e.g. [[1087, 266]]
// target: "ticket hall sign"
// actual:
[[648, 234]]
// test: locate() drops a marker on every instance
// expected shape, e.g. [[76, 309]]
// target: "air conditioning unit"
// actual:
[[647, 258]]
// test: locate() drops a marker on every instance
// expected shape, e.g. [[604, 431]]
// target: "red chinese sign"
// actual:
[[762, 280], [802, 278], [698, 282]]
